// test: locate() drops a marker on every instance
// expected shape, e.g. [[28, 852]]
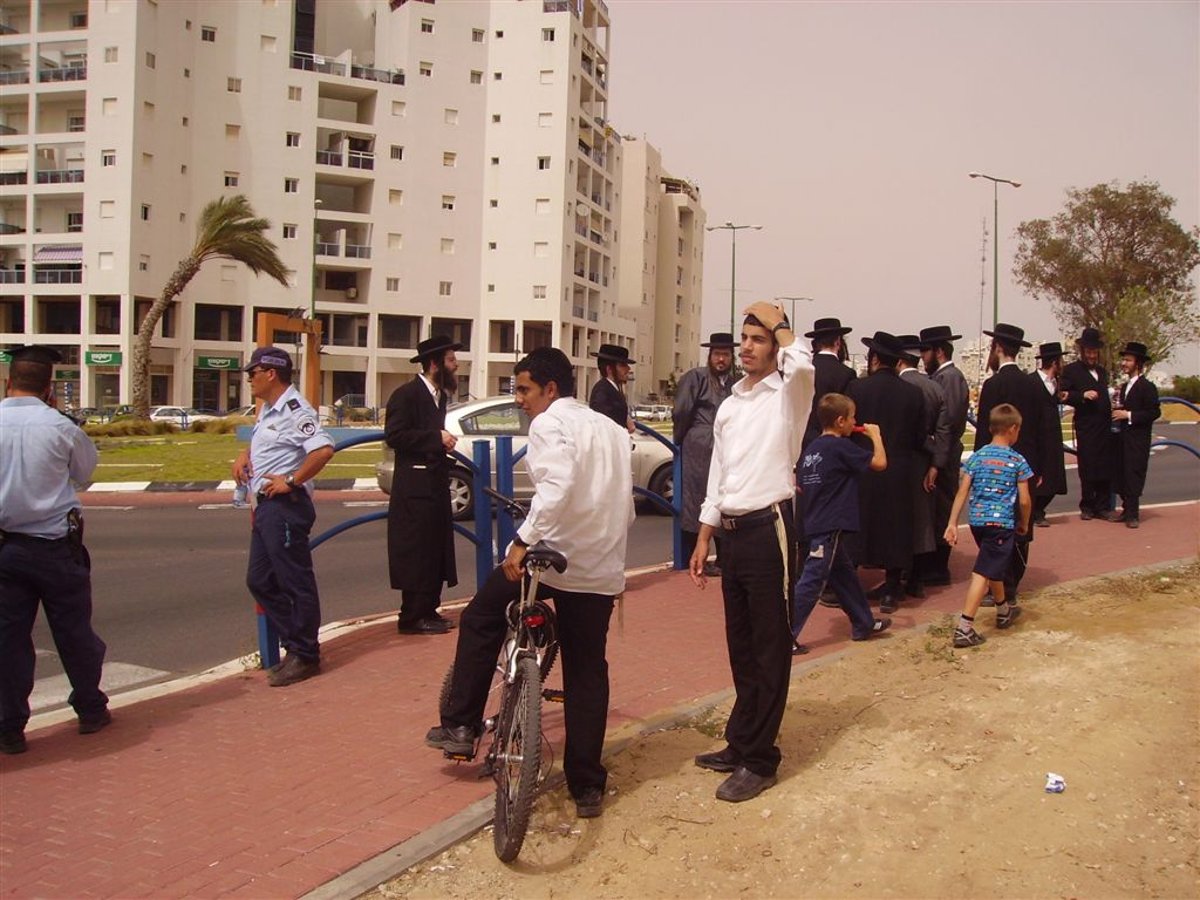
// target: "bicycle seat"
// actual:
[[542, 557]]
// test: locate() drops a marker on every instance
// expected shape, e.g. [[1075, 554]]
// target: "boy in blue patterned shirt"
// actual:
[[995, 489]]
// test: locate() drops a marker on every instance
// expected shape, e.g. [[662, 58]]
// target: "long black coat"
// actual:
[[935, 425], [420, 528], [1011, 385], [1093, 421], [1133, 440], [886, 498], [830, 376], [608, 401], [697, 397], [1053, 468]]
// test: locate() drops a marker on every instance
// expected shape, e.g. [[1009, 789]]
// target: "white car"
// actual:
[[180, 415]]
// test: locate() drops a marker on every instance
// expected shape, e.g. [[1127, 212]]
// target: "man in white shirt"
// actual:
[[580, 465], [756, 441]]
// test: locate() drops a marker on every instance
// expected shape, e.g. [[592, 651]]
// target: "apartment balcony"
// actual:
[[329, 158], [55, 275], [311, 62], [352, 159], [62, 73], [15, 76], [358, 251], [12, 276], [557, 6], [324, 249], [14, 178], [59, 176], [577, 311]]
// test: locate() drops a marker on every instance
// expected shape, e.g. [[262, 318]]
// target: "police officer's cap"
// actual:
[[270, 357], [34, 353]]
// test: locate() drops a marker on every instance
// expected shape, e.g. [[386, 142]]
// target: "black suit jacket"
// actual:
[[1134, 437], [608, 401], [1093, 421], [831, 376], [1053, 467], [1011, 385]]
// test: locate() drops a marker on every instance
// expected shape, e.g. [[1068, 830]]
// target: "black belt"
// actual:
[[758, 517], [17, 537]]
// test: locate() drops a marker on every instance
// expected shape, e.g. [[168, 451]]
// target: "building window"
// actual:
[[395, 241], [497, 76], [107, 209], [476, 77], [547, 34], [148, 109], [108, 106], [76, 121], [231, 179], [187, 73], [108, 158], [293, 92], [447, 201], [395, 197], [79, 20], [289, 232], [491, 289], [399, 108], [450, 160], [232, 131], [292, 139], [493, 203], [495, 118], [145, 212], [444, 288], [425, 68], [448, 246], [392, 285], [495, 160], [74, 221], [546, 76], [543, 163], [499, 34], [266, 43], [233, 85], [451, 116], [541, 248], [143, 262], [541, 206], [208, 33], [151, 61], [477, 35], [427, 26], [545, 119], [491, 245], [111, 54], [397, 151], [291, 185], [539, 292]]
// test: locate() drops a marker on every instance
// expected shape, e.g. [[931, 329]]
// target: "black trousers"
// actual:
[[1040, 503], [1019, 561], [583, 641], [756, 585], [417, 605], [59, 576], [280, 572], [936, 563], [1095, 495]]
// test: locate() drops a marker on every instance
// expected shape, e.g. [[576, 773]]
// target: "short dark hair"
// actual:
[[547, 364], [825, 342], [832, 407], [1003, 417], [946, 347], [753, 320], [1010, 349], [31, 375], [885, 359], [428, 361]]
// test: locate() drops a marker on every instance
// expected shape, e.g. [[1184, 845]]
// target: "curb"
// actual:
[[321, 484]]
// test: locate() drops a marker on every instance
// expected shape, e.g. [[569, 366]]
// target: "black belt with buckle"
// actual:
[[758, 517]]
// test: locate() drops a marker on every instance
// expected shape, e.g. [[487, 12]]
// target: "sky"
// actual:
[[847, 129]]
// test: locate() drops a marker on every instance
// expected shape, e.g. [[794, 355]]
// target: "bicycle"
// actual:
[[514, 758]]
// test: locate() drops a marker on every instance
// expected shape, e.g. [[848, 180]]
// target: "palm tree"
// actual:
[[228, 230]]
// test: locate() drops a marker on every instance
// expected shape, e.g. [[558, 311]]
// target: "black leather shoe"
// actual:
[[459, 740], [92, 724], [1086, 514], [12, 742], [429, 625], [294, 669], [1132, 523], [888, 602], [744, 785], [590, 804], [722, 761]]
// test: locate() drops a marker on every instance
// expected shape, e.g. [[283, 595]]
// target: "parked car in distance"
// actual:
[[647, 412], [180, 415], [251, 411], [485, 419]]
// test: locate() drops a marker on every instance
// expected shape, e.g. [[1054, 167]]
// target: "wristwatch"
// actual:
[[783, 324], [290, 479]]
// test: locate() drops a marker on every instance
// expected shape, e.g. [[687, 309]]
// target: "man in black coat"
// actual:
[[832, 375], [937, 354], [420, 527], [1053, 469], [1085, 382], [1136, 412], [886, 498], [608, 395], [1010, 385]]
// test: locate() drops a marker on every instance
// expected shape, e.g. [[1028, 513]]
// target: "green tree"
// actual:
[[228, 229], [1116, 260]]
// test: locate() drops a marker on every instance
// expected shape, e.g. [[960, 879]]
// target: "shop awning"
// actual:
[[59, 253]]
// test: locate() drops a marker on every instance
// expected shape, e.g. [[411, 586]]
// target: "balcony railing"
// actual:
[[593, 317], [12, 276], [59, 176], [596, 237], [553, 6], [358, 251], [593, 277], [384, 76], [360, 159], [324, 249], [17, 76], [64, 73], [329, 158], [585, 149], [581, 230], [577, 312], [310, 62], [5, 228], [57, 276], [14, 177]]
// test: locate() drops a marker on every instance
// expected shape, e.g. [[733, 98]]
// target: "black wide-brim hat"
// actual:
[[720, 340], [938, 334], [887, 344], [35, 353], [1010, 334], [439, 343], [1090, 339], [1053, 350], [1135, 348], [612, 353], [910, 342], [827, 328]]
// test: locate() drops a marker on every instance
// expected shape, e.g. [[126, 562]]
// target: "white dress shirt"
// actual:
[[1051, 384], [756, 439], [581, 465]]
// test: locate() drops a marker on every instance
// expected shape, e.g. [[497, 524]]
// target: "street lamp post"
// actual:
[[996, 182], [733, 230], [792, 300]]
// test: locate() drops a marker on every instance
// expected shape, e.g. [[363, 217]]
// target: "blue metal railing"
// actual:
[[675, 505]]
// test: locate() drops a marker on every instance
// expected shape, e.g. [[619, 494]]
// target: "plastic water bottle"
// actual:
[[241, 495]]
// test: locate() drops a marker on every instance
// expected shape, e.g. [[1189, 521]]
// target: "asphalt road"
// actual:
[[169, 587]]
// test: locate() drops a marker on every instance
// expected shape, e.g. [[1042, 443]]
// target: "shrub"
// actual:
[[129, 427], [1187, 387], [224, 425]]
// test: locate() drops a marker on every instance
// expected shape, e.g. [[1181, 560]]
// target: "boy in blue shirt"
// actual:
[[829, 472], [995, 489]]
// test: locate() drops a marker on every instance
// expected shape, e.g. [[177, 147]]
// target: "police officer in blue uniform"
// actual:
[[288, 449], [42, 556]]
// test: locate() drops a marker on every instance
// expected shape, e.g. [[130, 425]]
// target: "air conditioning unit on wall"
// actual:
[[351, 293]]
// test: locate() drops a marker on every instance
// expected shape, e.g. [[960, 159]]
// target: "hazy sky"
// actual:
[[847, 130]]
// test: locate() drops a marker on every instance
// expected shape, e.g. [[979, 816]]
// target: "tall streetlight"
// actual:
[[733, 230], [792, 300], [996, 182]]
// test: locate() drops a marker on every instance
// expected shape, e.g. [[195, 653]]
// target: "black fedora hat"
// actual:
[[439, 343], [910, 342], [1053, 350], [1010, 334], [1135, 348], [720, 340], [35, 353], [827, 328], [612, 353], [938, 334], [886, 344], [1091, 339]]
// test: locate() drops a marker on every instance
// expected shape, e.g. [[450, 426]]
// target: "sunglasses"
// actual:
[[250, 375]]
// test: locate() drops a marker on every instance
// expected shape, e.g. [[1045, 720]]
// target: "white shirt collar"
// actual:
[[433, 390]]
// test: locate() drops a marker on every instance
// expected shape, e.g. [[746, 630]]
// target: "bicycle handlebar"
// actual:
[[514, 507]]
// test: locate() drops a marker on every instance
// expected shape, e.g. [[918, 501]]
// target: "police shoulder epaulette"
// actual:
[[293, 404]]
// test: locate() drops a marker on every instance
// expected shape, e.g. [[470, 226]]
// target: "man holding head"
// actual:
[[287, 450], [1136, 411], [608, 394], [420, 523], [42, 556], [1053, 467], [751, 482], [1085, 382]]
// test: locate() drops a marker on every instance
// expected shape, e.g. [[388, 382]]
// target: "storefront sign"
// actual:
[[218, 362], [102, 357], [66, 374], [5, 357]]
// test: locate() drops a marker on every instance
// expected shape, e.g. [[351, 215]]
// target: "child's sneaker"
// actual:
[[970, 638], [1005, 620]]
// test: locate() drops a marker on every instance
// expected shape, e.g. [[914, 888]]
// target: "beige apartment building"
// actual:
[[426, 168]]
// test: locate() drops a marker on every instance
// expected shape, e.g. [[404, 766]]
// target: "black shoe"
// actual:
[[888, 603], [829, 600], [92, 724], [914, 589], [434, 624], [1086, 514], [879, 626], [799, 649], [964, 639], [12, 742], [456, 741], [590, 803], [1132, 523], [1043, 522], [1113, 516], [722, 761], [712, 570], [743, 785], [294, 668]]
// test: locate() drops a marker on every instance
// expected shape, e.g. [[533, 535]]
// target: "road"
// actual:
[[169, 585]]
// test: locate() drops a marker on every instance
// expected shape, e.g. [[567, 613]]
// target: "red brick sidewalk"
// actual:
[[234, 788]]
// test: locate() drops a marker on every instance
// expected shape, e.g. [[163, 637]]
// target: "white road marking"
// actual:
[[219, 506], [119, 486], [110, 508], [352, 504]]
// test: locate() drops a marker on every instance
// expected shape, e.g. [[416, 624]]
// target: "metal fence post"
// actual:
[[481, 478], [677, 503], [505, 528]]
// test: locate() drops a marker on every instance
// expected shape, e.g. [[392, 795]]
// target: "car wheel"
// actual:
[[462, 499], [662, 483]]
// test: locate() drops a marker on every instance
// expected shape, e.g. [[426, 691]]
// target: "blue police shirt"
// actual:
[[41, 452], [284, 435]]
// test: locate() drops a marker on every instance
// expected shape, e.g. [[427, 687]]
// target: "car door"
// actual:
[[500, 418]]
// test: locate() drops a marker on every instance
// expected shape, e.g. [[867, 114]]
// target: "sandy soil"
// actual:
[[914, 770]]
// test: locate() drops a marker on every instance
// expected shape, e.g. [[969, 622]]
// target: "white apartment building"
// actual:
[[662, 265], [426, 168]]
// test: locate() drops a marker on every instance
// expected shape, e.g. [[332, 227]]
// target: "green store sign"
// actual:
[[66, 374], [218, 362], [102, 357], [5, 357]]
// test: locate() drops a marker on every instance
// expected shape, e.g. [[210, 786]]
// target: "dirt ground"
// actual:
[[914, 770]]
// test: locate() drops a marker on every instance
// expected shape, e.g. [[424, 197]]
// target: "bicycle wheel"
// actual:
[[518, 759]]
